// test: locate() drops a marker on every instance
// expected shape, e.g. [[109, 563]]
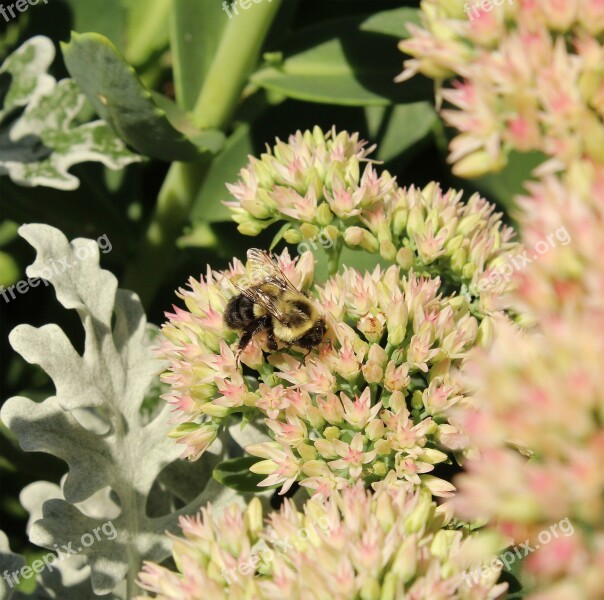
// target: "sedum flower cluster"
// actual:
[[317, 183], [369, 419], [371, 403], [538, 419], [529, 78], [388, 545]]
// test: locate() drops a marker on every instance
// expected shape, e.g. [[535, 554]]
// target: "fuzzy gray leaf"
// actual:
[[115, 452], [9, 564]]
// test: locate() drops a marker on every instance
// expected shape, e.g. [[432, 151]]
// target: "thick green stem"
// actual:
[[235, 57]]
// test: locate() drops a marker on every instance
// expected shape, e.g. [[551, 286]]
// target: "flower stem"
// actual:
[[235, 57], [333, 256]]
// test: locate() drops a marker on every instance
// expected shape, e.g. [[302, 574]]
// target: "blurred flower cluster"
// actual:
[[388, 545], [538, 425], [315, 183], [530, 78], [538, 417], [569, 277], [370, 403]]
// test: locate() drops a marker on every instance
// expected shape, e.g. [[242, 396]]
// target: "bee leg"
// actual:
[[254, 328], [303, 361], [271, 341]]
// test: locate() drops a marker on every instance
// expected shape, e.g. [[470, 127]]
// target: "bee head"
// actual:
[[314, 336]]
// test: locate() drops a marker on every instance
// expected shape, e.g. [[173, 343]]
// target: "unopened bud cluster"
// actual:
[[324, 185], [356, 545]]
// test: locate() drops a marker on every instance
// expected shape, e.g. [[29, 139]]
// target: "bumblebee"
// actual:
[[273, 305]]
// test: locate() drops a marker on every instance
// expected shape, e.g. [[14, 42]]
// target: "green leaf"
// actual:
[[94, 421], [225, 167], [196, 28], [120, 98], [235, 474], [350, 61], [211, 140], [279, 235], [398, 128], [107, 17], [503, 186], [9, 270], [147, 31], [360, 260], [38, 142]]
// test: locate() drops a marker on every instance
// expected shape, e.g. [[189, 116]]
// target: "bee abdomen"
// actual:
[[239, 312]]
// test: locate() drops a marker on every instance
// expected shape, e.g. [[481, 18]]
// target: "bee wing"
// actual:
[[262, 266], [257, 296]]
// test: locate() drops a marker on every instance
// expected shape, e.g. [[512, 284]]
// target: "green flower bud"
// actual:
[[292, 236], [263, 173], [331, 232], [433, 456], [442, 543], [465, 226], [478, 163], [387, 250], [405, 561], [415, 224], [468, 270], [396, 323], [417, 400], [315, 183], [352, 173], [454, 244], [389, 586], [383, 447], [399, 221], [384, 512], [375, 430], [458, 260], [370, 589], [182, 429], [253, 516], [485, 332], [324, 216], [421, 513], [257, 208], [331, 433], [308, 231], [266, 197], [357, 236], [214, 410], [404, 257], [307, 452], [250, 228], [380, 469]]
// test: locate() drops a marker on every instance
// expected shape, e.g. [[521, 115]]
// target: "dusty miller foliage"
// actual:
[[40, 137], [121, 465]]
